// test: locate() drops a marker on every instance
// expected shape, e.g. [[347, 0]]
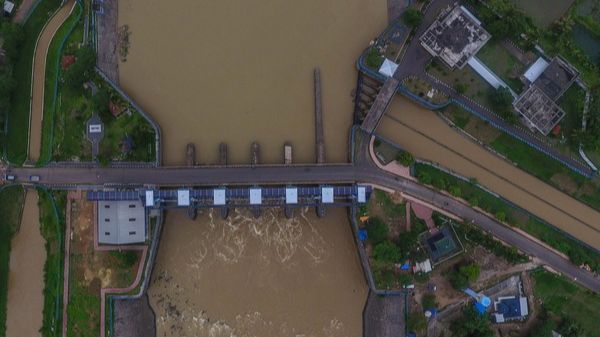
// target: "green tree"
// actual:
[[471, 324], [412, 17], [377, 230], [501, 216], [100, 103], [82, 70], [501, 102], [405, 158], [387, 251], [463, 275], [374, 59]]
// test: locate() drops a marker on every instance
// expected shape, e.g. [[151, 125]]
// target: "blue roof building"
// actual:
[[510, 308]]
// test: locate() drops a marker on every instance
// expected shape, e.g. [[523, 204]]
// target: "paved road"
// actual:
[[309, 174]]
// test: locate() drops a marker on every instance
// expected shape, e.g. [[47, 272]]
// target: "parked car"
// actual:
[[10, 177], [34, 178]]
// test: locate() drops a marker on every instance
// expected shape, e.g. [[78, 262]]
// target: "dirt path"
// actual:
[[26, 274], [23, 10], [39, 73], [426, 136]]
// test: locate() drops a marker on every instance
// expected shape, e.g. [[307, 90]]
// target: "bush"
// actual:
[[412, 17], [387, 251], [82, 70], [501, 102], [501, 216], [424, 178], [377, 230], [461, 88], [455, 191], [405, 158], [416, 322], [125, 259], [462, 276], [471, 324], [374, 59], [429, 301]]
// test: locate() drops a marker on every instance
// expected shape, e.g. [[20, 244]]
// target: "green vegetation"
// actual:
[[412, 17], [462, 275], [501, 103], [429, 301], [423, 89], [84, 306], [124, 259], [18, 116], [471, 84], [387, 251], [471, 324], [476, 236], [405, 158], [561, 297], [578, 253], [572, 103], [374, 58], [377, 230], [82, 70], [52, 206], [11, 203], [12, 36], [51, 84], [416, 322], [505, 65], [390, 208]]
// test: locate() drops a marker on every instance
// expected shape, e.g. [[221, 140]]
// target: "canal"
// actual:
[[427, 136], [242, 71], [258, 277]]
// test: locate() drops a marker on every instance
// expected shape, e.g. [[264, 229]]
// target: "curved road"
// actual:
[[38, 75]]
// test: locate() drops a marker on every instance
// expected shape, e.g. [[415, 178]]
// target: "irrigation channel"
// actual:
[[427, 136]]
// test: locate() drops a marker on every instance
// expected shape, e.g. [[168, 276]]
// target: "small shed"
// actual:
[[291, 195], [388, 68], [183, 198], [255, 196], [9, 8], [361, 194], [327, 195], [219, 197], [149, 198]]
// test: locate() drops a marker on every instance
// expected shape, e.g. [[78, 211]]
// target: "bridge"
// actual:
[[381, 104]]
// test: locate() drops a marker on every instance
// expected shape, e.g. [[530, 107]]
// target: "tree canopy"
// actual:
[[412, 17], [387, 251], [82, 70], [501, 102], [471, 324], [377, 230]]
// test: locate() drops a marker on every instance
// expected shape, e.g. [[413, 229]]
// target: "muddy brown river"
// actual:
[[242, 71], [427, 136], [258, 277], [25, 276]]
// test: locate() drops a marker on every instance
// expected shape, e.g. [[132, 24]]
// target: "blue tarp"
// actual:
[[405, 266], [480, 308], [362, 234]]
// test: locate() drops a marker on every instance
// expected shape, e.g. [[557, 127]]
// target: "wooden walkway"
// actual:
[[380, 105]]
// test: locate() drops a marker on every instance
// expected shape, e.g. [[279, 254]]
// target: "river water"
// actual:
[[427, 136], [242, 71], [26, 274], [258, 277]]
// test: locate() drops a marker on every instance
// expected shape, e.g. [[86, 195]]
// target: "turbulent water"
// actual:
[[258, 277], [242, 71]]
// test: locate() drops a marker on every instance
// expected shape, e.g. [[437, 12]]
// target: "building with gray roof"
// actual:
[[121, 222]]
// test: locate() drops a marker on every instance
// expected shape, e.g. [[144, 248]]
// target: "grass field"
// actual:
[[564, 298], [51, 84], [476, 87], [11, 203], [18, 116], [503, 64], [514, 216]]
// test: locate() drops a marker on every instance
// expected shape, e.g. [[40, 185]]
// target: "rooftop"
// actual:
[[455, 37], [510, 308], [539, 109], [556, 78], [121, 222]]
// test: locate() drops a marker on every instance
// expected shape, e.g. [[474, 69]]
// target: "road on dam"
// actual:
[[56, 177]]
